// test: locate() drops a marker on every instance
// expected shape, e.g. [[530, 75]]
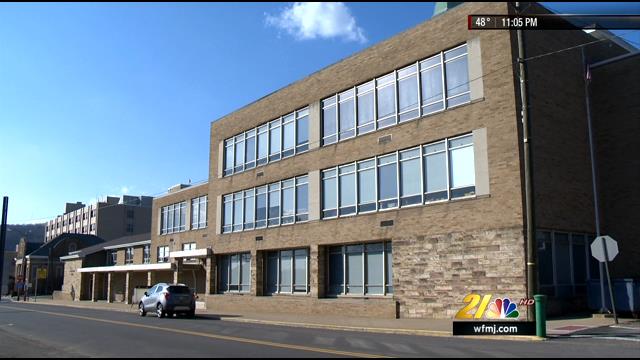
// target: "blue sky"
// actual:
[[106, 99]]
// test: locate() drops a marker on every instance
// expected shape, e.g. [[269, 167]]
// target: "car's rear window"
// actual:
[[179, 290]]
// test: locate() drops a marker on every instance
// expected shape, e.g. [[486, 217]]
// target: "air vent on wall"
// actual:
[[259, 238], [260, 173], [384, 139], [386, 223]]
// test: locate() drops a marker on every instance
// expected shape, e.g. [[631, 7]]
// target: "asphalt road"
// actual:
[[32, 330]]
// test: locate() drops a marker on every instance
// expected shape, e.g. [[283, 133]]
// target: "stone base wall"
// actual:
[[432, 275], [72, 284], [366, 307]]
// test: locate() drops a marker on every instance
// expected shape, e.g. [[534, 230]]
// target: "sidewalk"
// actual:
[[421, 327]]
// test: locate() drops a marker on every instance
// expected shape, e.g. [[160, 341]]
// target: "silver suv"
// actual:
[[168, 299]]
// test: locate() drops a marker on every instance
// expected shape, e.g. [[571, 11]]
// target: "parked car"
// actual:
[[167, 299]]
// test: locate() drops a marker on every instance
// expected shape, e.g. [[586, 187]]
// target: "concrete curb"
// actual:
[[414, 332]]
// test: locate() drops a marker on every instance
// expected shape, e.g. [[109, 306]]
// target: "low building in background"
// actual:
[[108, 219]]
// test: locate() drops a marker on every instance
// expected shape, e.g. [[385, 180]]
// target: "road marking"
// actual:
[[211, 336]]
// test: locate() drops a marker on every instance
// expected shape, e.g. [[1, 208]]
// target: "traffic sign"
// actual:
[[598, 251], [42, 273]]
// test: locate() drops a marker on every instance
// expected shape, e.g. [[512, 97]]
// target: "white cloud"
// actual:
[[125, 190], [311, 20]]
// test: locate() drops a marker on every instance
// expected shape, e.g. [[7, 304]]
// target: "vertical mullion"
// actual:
[[278, 273], [384, 268], [375, 106], [419, 81], [338, 132], [397, 102], [364, 269], [398, 178], [295, 133], [293, 268], [446, 156], [344, 270], [375, 174], [422, 179], [444, 85]]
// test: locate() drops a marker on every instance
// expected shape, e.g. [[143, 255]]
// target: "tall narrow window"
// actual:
[[336, 270], [286, 265], [457, 76], [389, 268], [274, 204], [347, 118], [228, 214], [250, 150], [288, 202], [302, 130], [237, 211], [239, 153], [300, 270], [263, 145], [329, 121], [435, 172], [234, 283], [275, 141], [347, 189], [431, 83], [462, 167], [302, 198], [289, 135], [146, 254], [367, 186], [375, 268], [408, 93], [245, 284], [387, 182], [410, 177], [355, 269], [386, 99], [271, 274], [228, 157], [366, 108], [249, 210], [224, 274], [261, 207], [329, 193]]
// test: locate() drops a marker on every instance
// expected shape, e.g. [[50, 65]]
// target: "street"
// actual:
[[33, 330]]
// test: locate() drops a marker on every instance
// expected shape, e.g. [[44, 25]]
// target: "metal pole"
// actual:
[[3, 235], [594, 183], [528, 178]]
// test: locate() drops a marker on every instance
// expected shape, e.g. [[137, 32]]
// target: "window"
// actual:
[[174, 218], [288, 201], [163, 254], [261, 207], [408, 93], [263, 145], [433, 172], [329, 193], [388, 181], [361, 269], [565, 264], [462, 166], [146, 254], [249, 210], [347, 186], [410, 177], [130, 228], [280, 203], [422, 88], [302, 130], [287, 272], [228, 157], [457, 76], [228, 214], [235, 273], [130, 214], [250, 150], [237, 212], [278, 139], [189, 247], [112, 257], [347, 115], [239, 151], [302, 198], [288, 135], [329, 121], [274, 140], [366, 108], [128, 255], [199, 212]]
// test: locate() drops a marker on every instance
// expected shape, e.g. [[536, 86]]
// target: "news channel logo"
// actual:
[[481, 307]]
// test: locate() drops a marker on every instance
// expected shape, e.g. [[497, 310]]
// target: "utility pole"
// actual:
[[528, 177], [3, 236]]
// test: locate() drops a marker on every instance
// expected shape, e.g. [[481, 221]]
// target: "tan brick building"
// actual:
[[391, 183]]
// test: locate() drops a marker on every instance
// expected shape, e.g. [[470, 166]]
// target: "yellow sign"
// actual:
[[42, 273]]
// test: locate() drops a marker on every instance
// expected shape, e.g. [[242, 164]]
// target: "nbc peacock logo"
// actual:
[[502, 309]]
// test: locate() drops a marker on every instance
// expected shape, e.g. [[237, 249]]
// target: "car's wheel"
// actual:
[[160, 311], [141, 309]]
